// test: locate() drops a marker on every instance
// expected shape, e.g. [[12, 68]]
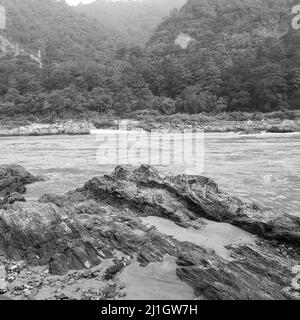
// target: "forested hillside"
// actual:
[[57, 30], [243, 55], [209, 56], [80, 72], [134, 21]]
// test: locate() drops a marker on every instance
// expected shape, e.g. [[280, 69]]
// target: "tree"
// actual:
[[164, 105], [102, 99]]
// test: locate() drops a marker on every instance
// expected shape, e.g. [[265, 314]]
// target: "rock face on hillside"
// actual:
[[102, 220]]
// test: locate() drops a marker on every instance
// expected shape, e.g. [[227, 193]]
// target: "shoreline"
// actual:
[[87, 127]]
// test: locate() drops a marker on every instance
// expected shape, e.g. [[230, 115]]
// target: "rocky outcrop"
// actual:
[[186, 198], [14, 178], [102, 222]]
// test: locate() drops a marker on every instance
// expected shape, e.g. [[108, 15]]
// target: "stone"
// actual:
[[115, 269], [21, 265], [14, 268], [86, 274], [26, 292], [62, 296], [109, 292], [107, 254], [122, 294]]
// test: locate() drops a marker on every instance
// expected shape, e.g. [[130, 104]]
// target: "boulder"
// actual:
[[115, 268], [14, 178]]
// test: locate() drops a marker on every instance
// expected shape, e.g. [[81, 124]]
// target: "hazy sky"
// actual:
[[75, 2]]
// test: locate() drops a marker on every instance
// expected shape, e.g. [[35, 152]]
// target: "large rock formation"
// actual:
[[86, 226], [186, 198]]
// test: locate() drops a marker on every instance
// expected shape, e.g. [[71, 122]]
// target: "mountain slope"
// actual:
[[134, 21], [80, 73], [55, 29], [227, 55]]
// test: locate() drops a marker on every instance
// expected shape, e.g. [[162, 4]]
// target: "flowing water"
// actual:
[[264, 168]]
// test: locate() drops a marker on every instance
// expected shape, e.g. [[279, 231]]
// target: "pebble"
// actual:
[[27, 292], [14, 268], [296, 269], [21, 265], [11, 278], [122, 294]]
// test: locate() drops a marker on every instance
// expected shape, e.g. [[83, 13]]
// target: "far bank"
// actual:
[[237, 122]]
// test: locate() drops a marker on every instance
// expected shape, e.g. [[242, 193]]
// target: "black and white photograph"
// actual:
[[149, 152]]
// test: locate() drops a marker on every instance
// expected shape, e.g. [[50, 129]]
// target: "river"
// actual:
[[264, 168]]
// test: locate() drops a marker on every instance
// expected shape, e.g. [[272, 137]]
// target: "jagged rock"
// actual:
[[73, 231], [13, 178], [14, 197], [116, 268], [43, 234], [184, 198]]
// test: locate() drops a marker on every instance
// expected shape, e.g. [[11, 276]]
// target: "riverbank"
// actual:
[[114, 239], [223, 123], [40, 129]]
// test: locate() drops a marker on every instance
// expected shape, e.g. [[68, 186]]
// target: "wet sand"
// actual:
[[214, 236], [157, 281]]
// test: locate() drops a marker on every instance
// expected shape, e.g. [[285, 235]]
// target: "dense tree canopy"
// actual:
[[244, 55], [240, 55]]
